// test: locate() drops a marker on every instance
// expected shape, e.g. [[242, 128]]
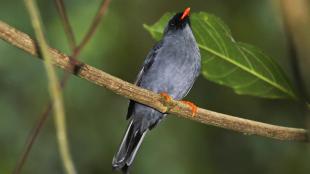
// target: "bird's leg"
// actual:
[[166, 98], [192, 106]]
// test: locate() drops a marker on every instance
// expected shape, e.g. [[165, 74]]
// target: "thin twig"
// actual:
[[149, 98], [31, 139], [72, 43], [66, 24], [54, 88], [90, 32], [43, 117]]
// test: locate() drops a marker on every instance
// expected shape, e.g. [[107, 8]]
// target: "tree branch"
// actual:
[[128, 90]]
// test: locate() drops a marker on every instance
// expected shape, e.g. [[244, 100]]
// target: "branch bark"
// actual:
[[130, 91]]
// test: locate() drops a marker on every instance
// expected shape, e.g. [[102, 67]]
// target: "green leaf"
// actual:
[[242, 67]]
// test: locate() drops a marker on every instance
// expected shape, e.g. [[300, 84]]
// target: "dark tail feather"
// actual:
[[128, 148]]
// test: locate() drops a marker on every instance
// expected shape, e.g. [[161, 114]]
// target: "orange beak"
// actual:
[[185, 13]]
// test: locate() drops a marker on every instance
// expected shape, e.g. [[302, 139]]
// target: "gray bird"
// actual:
[[171, 67]]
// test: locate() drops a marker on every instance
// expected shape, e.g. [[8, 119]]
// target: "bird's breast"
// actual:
[[174, 69]]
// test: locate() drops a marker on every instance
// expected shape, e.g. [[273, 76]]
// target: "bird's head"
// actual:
[[179, 21]]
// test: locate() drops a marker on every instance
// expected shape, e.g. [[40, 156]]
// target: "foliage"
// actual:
[[225, 61]]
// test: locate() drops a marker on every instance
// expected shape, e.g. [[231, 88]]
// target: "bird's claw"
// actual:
[[166, 99], [192, 106]]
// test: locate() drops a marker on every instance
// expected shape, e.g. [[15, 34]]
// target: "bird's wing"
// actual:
[[146, 66], [148, 61]]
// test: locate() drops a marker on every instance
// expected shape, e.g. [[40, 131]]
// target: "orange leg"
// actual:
[[166, 96], [192, 105]]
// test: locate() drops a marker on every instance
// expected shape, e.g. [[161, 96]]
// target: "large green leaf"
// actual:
[[240, 66]]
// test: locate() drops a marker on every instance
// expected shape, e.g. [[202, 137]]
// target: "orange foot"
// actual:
[[192, 106], [166, 96]]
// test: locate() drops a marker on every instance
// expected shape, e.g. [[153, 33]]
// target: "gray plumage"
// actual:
[[171, 66]]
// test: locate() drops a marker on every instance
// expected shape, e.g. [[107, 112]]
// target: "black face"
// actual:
[[176, 22]]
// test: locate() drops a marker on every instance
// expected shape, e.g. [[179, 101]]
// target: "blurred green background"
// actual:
[[96, 117]]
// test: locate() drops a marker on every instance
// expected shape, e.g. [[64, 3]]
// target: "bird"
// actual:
[[170, 69]]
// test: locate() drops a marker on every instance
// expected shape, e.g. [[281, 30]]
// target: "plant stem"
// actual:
[[66, 24], [90, 32], [54, 88], [75, 51]]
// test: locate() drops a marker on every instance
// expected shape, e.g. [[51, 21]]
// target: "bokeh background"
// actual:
[[96, 117]]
